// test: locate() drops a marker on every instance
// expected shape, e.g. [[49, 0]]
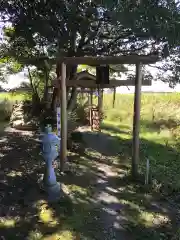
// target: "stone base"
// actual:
[[53, 192]]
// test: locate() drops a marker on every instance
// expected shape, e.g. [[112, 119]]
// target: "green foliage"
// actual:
[[169, 71], [70, 28], [91, 28], [8, 66], [14, 96]]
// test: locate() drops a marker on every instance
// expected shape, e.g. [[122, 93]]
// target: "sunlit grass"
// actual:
[[62, 235], [160, 131], [7, 100], [14, 96], [137, 215], [7, 223], [46, 217]]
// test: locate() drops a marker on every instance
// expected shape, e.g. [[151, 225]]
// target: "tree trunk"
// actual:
[[71, 71], [36, 103], [72, 100], [45, 91]]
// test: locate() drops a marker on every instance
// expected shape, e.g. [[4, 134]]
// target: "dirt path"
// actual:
[[113, 222]]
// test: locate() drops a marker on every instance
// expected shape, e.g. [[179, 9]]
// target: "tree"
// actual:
[[81, 27], [169, 69], [20, 55]]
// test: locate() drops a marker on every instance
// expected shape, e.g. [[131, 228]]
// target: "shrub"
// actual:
[[82, 114], [6, 107]]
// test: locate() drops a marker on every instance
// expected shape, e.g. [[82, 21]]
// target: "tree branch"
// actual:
[[91, 37]]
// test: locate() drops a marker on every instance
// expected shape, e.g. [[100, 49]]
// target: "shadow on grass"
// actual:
[[123, 129], [156, 126], [164, 160], [83, 215]]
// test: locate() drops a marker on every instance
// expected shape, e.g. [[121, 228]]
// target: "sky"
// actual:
[[157, 86]]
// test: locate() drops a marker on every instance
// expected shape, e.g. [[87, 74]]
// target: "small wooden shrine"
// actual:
[[101, 81]]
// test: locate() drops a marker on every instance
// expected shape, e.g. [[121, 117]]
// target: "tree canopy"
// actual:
[[82, 27]]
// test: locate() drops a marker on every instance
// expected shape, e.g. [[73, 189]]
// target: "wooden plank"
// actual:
[[136, 120], [63, 117], [92, 83]]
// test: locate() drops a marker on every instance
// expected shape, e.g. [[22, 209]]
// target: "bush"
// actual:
[[6, 107], [82, 114]]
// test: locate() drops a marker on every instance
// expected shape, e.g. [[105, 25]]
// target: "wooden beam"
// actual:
[[136, 120], [92, 83], [107, 60], [93, 61], [63, 117]]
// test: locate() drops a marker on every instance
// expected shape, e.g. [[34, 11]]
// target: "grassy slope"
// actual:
[[160, 117]]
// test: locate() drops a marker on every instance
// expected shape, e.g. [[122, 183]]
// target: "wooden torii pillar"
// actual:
[[63, 100], [136, 120]]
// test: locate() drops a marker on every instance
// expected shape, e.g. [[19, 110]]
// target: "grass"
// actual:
[[12, 96], [159, 132], [7, 100]]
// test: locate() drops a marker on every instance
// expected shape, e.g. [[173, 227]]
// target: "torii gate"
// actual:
[[62, 83]]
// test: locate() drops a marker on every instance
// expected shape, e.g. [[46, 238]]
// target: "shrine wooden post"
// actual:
[[63, 153], [90, 108], [136, 120]]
